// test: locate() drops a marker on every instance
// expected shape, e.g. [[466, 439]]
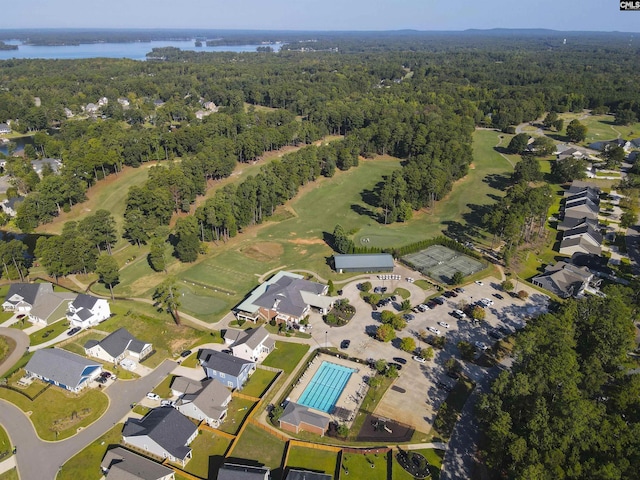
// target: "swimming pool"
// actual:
[[325, 387]]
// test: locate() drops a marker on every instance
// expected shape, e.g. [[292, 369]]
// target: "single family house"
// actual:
[[63, 369], [564, 279], [117, 346], [122, 464], [10, 205], [87, 311], [234, 471], [250, 344], [4, 128], [163, 432], [209, 404], [227, 369], [297, 474], [38, 300]]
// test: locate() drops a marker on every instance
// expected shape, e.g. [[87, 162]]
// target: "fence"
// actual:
[[315, 446], [17, 390], [245, 397], [270, 430], [204, 426]]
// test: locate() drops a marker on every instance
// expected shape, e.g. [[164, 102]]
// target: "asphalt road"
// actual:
[[22, 342], [38, 459], [633, 247]]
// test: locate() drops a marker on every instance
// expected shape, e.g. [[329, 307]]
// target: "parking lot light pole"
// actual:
[[326, 341]]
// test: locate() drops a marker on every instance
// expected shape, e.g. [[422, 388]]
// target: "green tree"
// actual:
[[568, 169], [543, 146], [365, 287], [385, 333], [518, 143], [167, 294], [628, 218], [478, 313], [188, 242], [467, 351], [381, 365], [550, 119], [107, 270], [427, 353], [157, 258], [341, 243], [457, 278], [13, 258], [406, 304], [407, 344], [613, 155], [507, 286], [558, 125], [527, 170], [576, 131], [626, 117]]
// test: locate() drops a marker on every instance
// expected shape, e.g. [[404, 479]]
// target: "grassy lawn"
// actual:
[[57, 410], [164, 387], [434, 457], [208, 454], [6, 346], [602, 127], [359, 466], [369, 404], [258, 383], [286, 356], [51, 331], [145, 323], [312, 459], [5, 443], [238, 410], [257, 445], [10, 475], [4, 316], [77, 346], [86, 464]]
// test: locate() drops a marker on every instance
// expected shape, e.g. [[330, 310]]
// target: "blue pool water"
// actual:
[[325, 387]]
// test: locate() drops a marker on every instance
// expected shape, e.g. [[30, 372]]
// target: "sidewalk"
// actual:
[[8, 464]]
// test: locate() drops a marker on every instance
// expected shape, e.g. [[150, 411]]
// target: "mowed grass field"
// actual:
[[602, 127]]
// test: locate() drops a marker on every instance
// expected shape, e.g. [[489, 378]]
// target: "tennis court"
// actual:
[[441, 263]]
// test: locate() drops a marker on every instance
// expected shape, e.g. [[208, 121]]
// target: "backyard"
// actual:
[[208, 454], [258, 383], [286, 356], [312, 459], [371, 466], [260, 447]]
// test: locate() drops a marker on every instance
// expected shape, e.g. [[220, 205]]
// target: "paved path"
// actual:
[[22, 342], [49, 456], [8, 464]]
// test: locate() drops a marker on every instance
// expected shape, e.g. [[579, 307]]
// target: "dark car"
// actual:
[[186, 353], [498, 296], [408, 317], [345, 344], [439, 300], [73, 331], [397, 365], [431, 304], [443, 386], [105, 374], [448, 294], [504, 330], [495, 334], [401, 360], [454, 375], [459, 289]]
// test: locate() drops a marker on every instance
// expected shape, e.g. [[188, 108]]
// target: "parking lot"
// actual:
[[415, 396]]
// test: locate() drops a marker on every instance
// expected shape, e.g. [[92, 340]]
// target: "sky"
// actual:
[[568, 15]]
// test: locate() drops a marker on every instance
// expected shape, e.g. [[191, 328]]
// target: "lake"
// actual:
[[20, 143], [134, 51]]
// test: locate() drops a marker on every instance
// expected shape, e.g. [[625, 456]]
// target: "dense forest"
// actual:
[[569, 406]]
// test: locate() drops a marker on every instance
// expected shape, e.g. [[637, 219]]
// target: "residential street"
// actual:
[[50, 456], [22, 342]]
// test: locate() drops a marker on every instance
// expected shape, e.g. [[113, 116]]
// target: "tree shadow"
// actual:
[[476, 214], [360, 210], [497, 181], [502, 150], [372, 197], [557, 137]]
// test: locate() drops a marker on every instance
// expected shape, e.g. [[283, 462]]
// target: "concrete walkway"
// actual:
[[8, 464]]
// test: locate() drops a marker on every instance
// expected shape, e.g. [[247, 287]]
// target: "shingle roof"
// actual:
[[222, 362], [120, 341], [563, 279], [125, 465], [572, 222], [581, 242], [47, 303], [84, 301], [254, 337], [295, 414], [27, 291], [209, 399], [284, 295], [60, 366], [231, 471], [582, 230], [186, 385], [166, 426]]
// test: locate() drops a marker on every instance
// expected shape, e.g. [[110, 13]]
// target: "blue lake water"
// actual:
[[20, 143], [135, 50]]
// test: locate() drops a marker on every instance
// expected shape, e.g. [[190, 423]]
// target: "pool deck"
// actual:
[[353, 393]]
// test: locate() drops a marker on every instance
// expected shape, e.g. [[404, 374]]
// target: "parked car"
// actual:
[[166, 403], [106, 374], [495, 334], [434, 330], [478, 282], [443, 324], [73, 331], [396, 365], [431, 304], [408, 317], [459, 289], [419, 359], [186, 353], [345, 344], [153, 396], [400, 360], [498, 296], [452, 374], [459, 314], [439, 300], [481, 345]]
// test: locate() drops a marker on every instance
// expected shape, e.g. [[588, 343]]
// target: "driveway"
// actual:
[[22, 342], [51, 455]]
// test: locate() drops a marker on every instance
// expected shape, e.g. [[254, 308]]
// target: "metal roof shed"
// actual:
[[368, 262]]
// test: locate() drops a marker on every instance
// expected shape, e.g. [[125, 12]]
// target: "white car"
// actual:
[[153, 396], [419, 359], [443, 324], [478, 282], [487, 301], [481, 345], [166, 403], [434, 330], [459, 314]]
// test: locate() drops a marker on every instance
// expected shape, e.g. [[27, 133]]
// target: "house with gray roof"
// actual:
[[252, 344], [297, 418], [564, 279], [209, 404], [53, 163], [38, 300], [366, 263], [570, 223], [234, 471], [122, 464], [296, 474], [4, 128], [117, 346], [227, 369], [10, 205], [581, 239], [286, 297], [163, 432], [87, 311], [63, 369], [22, 296]]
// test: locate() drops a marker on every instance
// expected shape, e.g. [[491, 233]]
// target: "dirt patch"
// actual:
[[307, 241], [263, 251], [472, 166]]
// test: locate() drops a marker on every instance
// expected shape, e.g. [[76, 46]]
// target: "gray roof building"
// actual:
[[232, 471], [26, 293], [564, 279], [182, 385], [122, 464], [222, 362], [374, 262], [62, 368], [208, 404], [302, 418], [167, 428], [117, 345], [570, 223]]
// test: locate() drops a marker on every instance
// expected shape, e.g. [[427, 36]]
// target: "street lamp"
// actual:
[[326, 341]]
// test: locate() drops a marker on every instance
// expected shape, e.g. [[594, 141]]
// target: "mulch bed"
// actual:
[[373, 431]]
